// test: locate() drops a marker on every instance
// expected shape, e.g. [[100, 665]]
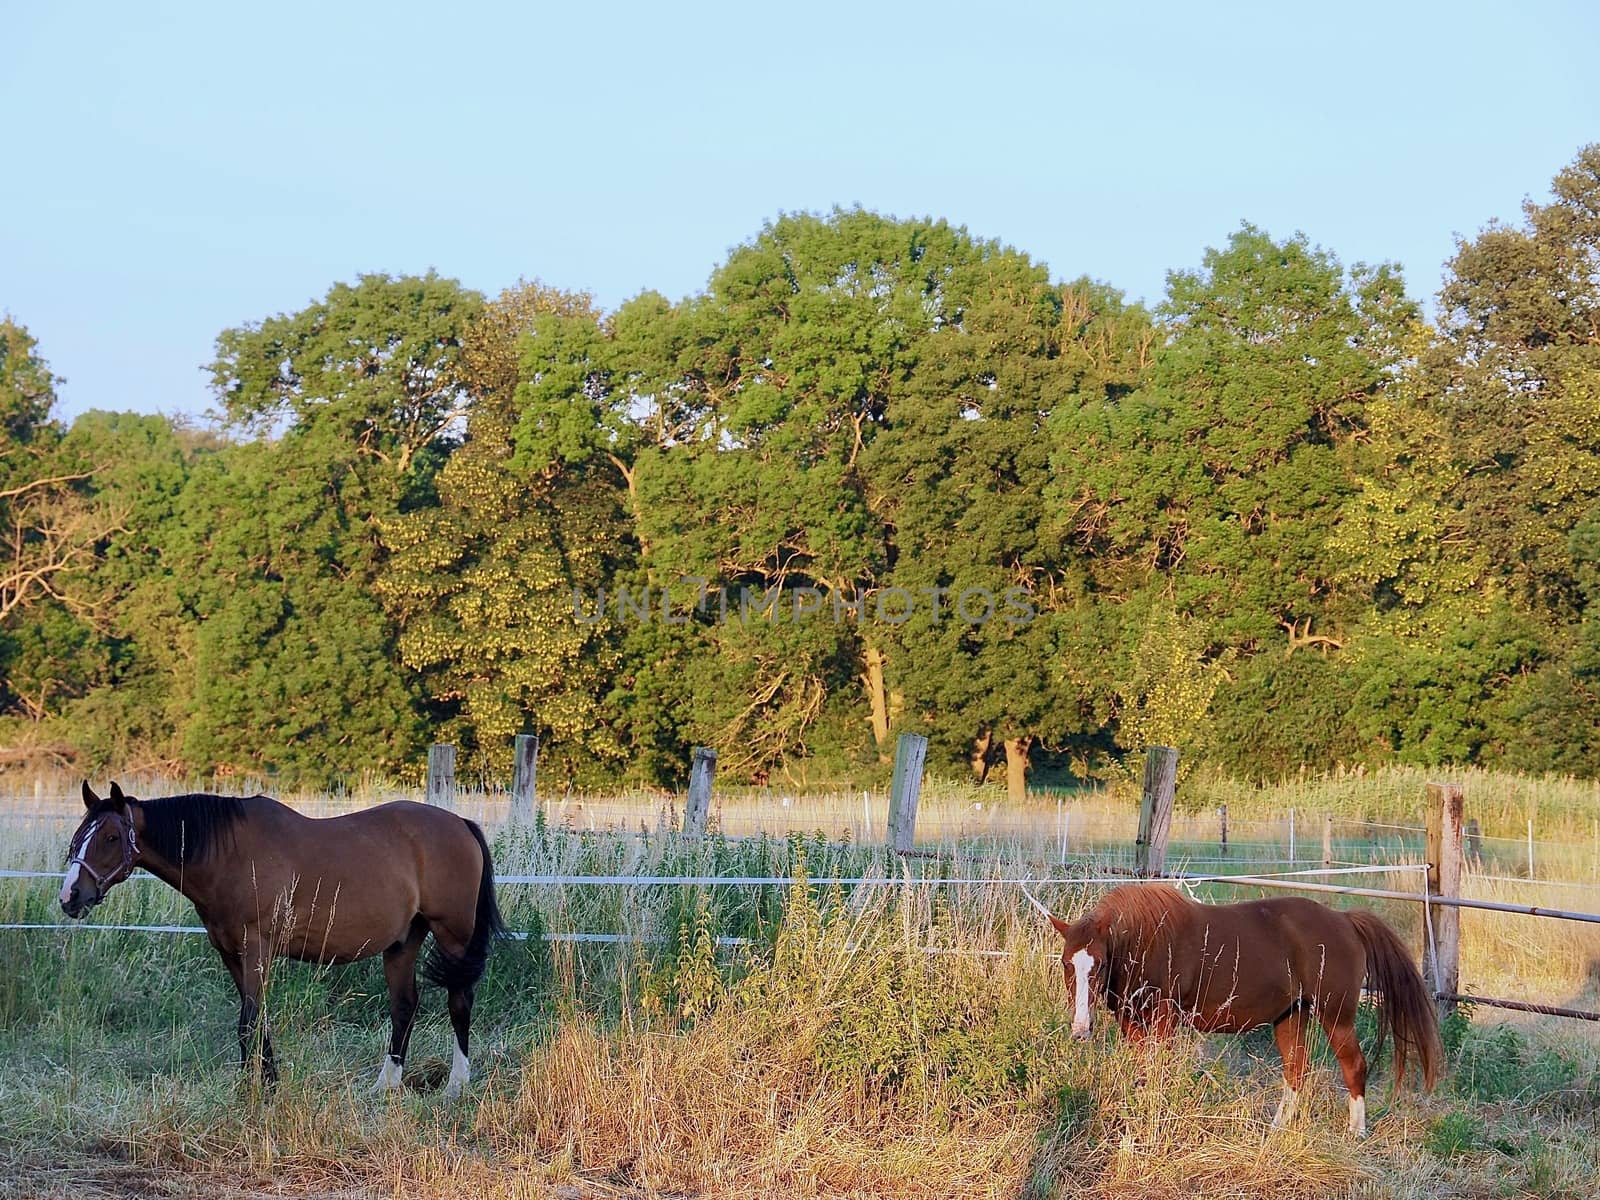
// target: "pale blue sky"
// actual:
[[176, 169]]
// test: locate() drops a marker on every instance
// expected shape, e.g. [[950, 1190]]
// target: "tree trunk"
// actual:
[[1017, 767], [630, 479], [877, 696], [981, 745]]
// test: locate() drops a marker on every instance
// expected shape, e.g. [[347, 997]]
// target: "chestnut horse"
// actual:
[[1155, 958], [267, 881]]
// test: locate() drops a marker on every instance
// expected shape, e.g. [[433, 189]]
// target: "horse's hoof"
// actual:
[[460, 1073], [388, 1077]]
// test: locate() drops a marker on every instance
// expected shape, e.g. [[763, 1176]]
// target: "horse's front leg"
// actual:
[[1145, 1040], [249, 970], [1133, 1032]]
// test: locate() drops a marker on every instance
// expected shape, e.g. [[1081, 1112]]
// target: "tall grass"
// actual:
[[899, 1037], [1366, 804]]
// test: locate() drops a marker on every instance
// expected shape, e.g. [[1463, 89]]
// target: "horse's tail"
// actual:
[[1406, 1008], [458, 971]]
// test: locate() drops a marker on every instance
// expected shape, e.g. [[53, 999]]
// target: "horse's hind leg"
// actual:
[[1290, 1034], [1347, 1048], [461, 1022], [400, 973], [458, 976]]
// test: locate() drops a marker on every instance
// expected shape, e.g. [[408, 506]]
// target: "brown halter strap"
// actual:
[[130, 852]]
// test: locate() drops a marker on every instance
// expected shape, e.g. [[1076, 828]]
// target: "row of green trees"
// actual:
[[1279, 521]]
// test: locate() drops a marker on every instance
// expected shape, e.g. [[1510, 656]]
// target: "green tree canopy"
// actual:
[[482, 584], [376, 364]]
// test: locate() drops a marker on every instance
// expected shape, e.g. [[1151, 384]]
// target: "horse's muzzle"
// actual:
[[76, 907], [1080, 1035]]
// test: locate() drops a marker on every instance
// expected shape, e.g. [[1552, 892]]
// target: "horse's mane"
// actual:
[[1141, 911], [189, 828]]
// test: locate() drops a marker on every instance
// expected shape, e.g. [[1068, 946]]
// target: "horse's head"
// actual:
[[1083, 963], [102, 853]]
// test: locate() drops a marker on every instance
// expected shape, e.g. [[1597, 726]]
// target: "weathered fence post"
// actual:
[[524, 774], [701, 769], [1444, 879], [1327, 841], [1474, 843], [1222, 819], [905, 790], [442, 775], [1062, 817], [1155, 809], [1530, 849], [1291, 836]]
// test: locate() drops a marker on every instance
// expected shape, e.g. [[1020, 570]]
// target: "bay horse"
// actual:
[[267, 881], [1156, 958]]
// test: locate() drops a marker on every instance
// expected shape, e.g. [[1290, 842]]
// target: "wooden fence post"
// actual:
[[442, 775], [1445, 803], [701, 769], [1327, 840], [1222, 819], [1155, 809], [1474, 843], [524, 774], [905, 790]]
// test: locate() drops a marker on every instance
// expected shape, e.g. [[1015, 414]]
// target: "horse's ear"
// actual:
[[89, 798], [117, 797], [1061, 926]]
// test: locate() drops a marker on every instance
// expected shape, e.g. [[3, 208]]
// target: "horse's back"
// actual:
[[406, 816], [1294, 920], [431, 844], [357, 880], [1320, 943], [1231, 967], [397, 830]]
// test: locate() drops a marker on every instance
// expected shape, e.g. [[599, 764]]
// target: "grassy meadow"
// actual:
[[805, 1038]]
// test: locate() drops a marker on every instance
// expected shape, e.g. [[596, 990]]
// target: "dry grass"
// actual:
[[840, 1060]]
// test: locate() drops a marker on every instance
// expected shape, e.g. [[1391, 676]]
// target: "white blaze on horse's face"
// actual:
[[1082, 965], [75, 867], [72, 882]]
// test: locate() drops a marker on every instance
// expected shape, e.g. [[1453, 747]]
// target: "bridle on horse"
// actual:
[[130, 852]]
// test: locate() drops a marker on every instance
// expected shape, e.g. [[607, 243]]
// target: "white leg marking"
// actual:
[[460, 1074], [388, 1075], [1358, 1116], [1082, 964], [1286, 1107]]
